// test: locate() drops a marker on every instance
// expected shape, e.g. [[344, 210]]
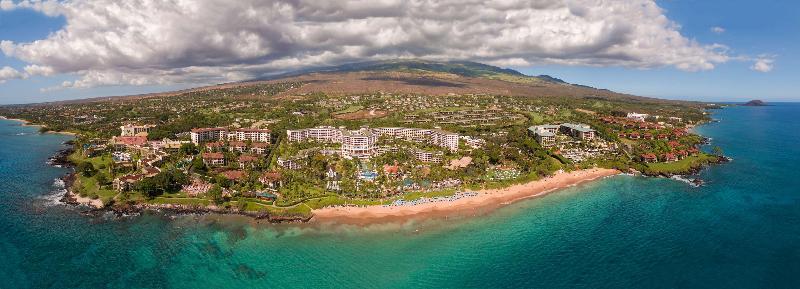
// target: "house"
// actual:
[[233, 175], [662, 136], [273, 180], [237, 146], [673, 144], [634, 135], [648, 136], [126, 182], [670, 157], [259, 148], [247, 161], [214, 146], [460, 163], [150, 172], [214, 159], [649, 158]]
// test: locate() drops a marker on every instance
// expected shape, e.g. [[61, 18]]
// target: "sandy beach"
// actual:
[[85, 201], [486, 200]]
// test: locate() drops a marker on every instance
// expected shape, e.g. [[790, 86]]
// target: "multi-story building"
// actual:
[[544, 134], [428, 157], [214, 159], [254, 135], [325, 134], [579, 131], [133, 130], [358, 143], [201, 135], [361, 143]]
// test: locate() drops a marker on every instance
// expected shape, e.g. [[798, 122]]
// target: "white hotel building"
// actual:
[[361, 143], [201, 135]]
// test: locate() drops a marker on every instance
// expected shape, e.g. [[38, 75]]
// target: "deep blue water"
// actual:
[[741, 230]]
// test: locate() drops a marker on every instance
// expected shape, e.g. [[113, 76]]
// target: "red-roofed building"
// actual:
[[214, 159], [233, 175], [247, 161], [634, 135], [670, 157], [273, 180], [674, 144], [122, 142], [259, 148], [649, 158]]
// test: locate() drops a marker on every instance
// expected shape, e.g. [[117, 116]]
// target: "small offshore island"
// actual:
[[374, 140]]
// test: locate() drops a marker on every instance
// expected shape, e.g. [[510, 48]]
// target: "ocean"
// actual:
[[740, 230]]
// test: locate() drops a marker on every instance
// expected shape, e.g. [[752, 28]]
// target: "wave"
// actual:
[[54, 197], [692, 182]]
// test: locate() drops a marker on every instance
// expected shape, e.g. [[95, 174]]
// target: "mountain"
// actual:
[[407, 77]]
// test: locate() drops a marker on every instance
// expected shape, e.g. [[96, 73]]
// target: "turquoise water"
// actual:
[[741, 230]]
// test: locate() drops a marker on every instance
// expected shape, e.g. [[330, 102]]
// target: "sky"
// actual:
[[710, 50]]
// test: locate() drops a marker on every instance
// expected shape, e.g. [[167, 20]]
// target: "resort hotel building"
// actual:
[[201, 135], [546, 134], [361, 143], [133, 130]]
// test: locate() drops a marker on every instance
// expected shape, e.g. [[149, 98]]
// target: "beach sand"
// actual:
[[485, 201]]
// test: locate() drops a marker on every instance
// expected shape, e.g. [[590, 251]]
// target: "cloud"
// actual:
[[47, 7], [7, 73], [717, 30], [763, 64], [137, 42]]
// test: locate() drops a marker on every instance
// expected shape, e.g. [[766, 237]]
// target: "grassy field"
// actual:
[[338, 201], [418, 195], [180, 201], [349, 109], [681, 166], [88, 187]]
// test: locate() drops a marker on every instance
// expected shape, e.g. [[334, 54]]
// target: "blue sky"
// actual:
[[767, 29]]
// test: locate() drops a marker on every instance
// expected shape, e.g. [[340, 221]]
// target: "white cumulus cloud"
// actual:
[[140, 42], [763, 64], [717, 30], [7, 73]]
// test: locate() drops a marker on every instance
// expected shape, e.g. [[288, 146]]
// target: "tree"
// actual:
[[215, 193], [189, 149], [102, 179], [718, 151], [86, 169]]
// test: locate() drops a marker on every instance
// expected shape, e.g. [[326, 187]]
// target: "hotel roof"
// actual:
[[578, 127]]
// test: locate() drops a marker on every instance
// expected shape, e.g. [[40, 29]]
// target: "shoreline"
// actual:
[[28, 123], [485, 201]]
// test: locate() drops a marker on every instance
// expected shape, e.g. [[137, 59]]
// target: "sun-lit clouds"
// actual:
[[717, 30], [138, 42], [7, 73], [763, 64]]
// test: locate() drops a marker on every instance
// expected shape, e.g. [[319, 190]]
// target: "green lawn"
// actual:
[[349, 109], [90, 188], [680, 166], [338, 201]]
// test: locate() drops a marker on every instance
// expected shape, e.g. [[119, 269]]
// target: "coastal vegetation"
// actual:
[[491, 111]]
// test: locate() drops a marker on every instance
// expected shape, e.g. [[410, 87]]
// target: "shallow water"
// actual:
[[741, 230]]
